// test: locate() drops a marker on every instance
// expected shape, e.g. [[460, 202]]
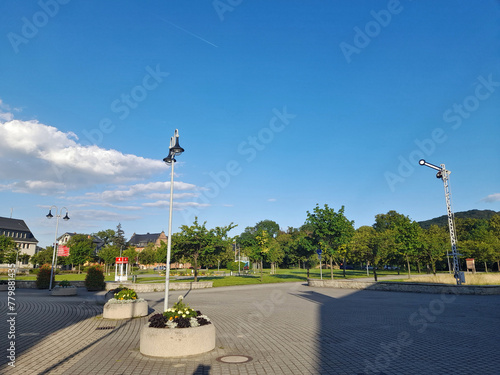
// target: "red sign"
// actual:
[[62, 251], [121, 260]]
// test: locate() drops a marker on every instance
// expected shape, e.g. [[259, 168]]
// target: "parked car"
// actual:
[[390, 268], [160, 268]]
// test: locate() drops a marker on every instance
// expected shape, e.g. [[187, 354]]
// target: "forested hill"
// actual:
[[471, 214]]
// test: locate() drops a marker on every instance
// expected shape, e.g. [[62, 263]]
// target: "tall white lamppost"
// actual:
[[54, 253], [173, 151]]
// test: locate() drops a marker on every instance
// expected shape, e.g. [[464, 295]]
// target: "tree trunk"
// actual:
[[261, 269], [408, 263], [343, 264], [307, 272], [375, 273], [498, 265], [78, 269], [434, 268], [299, 264], [418, 267], [195, 258], [331, 267], [485, 267]]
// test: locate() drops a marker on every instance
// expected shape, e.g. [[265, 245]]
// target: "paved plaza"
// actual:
[[287, 328]]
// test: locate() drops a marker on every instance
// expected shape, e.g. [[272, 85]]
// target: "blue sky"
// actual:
[[280, 106]]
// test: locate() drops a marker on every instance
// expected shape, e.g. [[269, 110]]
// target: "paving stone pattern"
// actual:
[[286, 329]]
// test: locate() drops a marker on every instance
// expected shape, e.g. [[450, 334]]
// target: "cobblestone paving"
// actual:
[[285, 329]]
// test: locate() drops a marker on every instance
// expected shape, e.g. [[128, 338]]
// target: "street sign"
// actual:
[[121, 260], [62, 251], [319, 252]]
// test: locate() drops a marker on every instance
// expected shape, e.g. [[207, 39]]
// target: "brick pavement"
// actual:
[[285, 328]]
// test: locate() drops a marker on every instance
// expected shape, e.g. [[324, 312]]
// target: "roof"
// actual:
[[96, 240], [9, 224], [142, 240], [13, 224]]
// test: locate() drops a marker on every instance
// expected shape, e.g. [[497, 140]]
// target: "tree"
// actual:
[[81, 249], [271, 227], [119, 237], [248, 243], [148, 255], [435, 243], [44, 256], [7, 248], [132, 255], [304, 248], [405, 234], [107, 236], [371, 246], [198, 244], [332, 231], [108, 254]]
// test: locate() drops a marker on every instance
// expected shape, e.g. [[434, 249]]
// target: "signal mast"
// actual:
[[444, 174]]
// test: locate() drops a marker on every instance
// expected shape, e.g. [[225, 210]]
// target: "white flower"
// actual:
[[183, 315], [194, 322], [171, 324], [180, 298], [204, 317]]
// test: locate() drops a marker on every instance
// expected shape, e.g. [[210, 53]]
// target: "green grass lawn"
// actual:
[[282, 275]]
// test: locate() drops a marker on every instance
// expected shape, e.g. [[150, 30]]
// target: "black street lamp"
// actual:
[[54, 253]]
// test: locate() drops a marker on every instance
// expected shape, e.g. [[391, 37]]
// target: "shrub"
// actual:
[[43, 277], [95, 278], [64, 283], [233, 266]]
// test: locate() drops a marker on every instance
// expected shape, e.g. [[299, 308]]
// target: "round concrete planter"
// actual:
[[125, 309], [63, 291], [177, 342]]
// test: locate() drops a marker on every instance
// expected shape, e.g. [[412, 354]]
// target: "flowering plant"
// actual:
[[126, 294], [179, 316], [64, 283]]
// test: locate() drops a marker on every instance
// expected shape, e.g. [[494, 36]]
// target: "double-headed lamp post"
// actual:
[[443, 174], [173, 151], [54, 253]]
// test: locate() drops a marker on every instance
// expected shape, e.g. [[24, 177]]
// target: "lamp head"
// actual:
[[49, 215], [175, 148], [169, 159], [421, 162], [66, 217]]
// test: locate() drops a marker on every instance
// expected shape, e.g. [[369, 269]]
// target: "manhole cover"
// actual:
[[235, 359]]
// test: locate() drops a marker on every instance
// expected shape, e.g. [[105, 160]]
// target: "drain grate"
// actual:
[[105, 327], [234, 359]]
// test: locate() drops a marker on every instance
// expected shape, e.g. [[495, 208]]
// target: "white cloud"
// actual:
[[492, 198], [271, 200], [138, 191], [5, 116], [100, 215], [37, 158]]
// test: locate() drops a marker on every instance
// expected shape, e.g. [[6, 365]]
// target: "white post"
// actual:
[[169, 239], [54, 251]]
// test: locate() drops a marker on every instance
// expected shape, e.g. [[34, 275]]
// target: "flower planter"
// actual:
[[176, 342], [63, 291], [126, 309]]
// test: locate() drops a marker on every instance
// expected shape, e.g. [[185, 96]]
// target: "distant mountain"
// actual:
[[471, 214]]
